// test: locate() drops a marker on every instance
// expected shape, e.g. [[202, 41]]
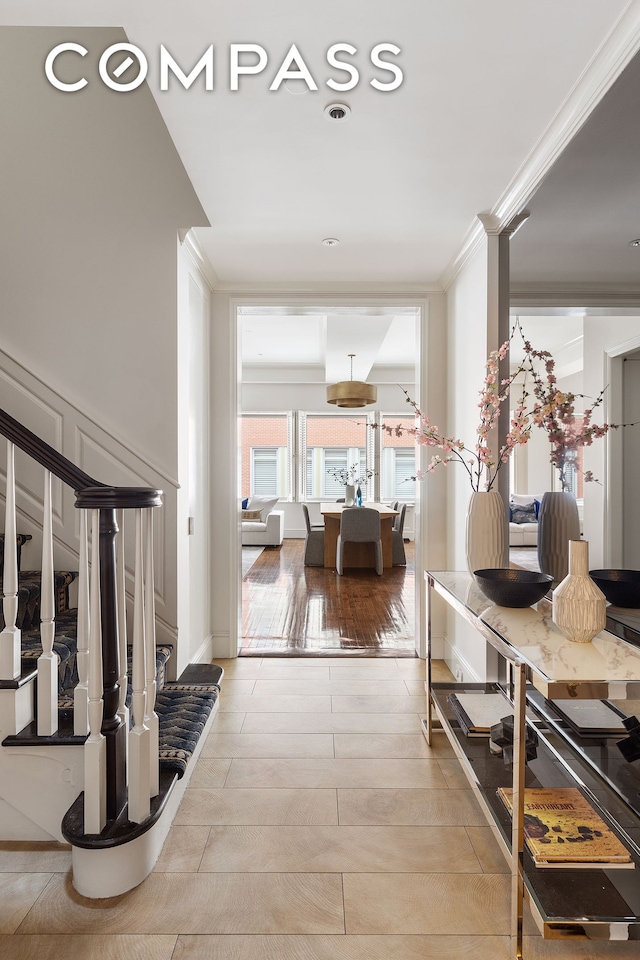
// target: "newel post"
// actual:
[[113, 728], [107, 500]]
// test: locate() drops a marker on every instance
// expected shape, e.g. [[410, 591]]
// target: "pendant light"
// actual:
[[351, 393]]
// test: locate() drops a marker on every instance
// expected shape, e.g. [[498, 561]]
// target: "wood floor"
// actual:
[[292, 610]]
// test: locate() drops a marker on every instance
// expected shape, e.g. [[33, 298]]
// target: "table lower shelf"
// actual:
[[567, 903]]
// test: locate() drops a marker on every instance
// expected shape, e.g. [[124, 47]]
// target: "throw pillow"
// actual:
[[245, 503], [264, 504], [521, 513], [251, 515]]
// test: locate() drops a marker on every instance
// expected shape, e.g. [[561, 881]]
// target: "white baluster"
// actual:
[[151, 717], [10, 636], [139, 791], [123, 709], [95, 755], [81, 692], [48, 659]]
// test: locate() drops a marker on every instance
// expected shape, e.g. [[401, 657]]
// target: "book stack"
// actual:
[[476, 713], [562, 829]]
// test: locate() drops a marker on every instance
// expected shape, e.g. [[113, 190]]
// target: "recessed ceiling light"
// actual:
[[330, 242], [337, 112], [634, 243]]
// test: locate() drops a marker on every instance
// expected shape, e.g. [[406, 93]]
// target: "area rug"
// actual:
[[249, 557]]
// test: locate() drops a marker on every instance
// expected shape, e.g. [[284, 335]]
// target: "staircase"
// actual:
[[96, 745]]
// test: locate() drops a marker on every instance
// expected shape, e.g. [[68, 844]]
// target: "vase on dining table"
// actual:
[[358, 497], [486, 531], [349, 495]]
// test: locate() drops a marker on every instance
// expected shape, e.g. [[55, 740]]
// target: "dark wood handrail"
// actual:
[[90, 493]]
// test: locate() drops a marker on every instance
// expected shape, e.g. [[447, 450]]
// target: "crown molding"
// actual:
[[577, 295], [615, 52], [199, 258], [360, 289]]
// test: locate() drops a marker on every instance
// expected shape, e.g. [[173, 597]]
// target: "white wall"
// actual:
[[92, 196], [194, 495], [469, 344], [631, 463], [606, 340]]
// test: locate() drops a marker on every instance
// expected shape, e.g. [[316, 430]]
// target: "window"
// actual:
[[265, 453], [330, 444], [398, 461]]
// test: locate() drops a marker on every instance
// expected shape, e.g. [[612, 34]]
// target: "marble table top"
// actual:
[[537, 641]]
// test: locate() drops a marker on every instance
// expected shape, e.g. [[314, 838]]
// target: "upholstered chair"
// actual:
[[314, 542], [359, 525], [398, 555]]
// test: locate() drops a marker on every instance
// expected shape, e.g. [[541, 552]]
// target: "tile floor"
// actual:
[[318, 825]]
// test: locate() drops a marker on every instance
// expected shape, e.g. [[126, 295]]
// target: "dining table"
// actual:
[[357, 554]]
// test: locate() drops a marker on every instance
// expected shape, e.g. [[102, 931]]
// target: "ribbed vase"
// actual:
[[486, 531], [558, 523], [349, 495], [579, 606]]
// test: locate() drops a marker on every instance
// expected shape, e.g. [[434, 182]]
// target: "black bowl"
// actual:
[[513, 588], [620, 587]]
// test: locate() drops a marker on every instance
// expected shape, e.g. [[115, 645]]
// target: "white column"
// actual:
[[139, 736], [48, 659], [151, 717], [95, 754], [81, 692], [10, 636]]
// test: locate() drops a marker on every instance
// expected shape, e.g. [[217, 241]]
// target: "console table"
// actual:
[[537, 666]]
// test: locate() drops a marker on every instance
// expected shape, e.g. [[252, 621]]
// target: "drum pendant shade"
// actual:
[[351, 393]]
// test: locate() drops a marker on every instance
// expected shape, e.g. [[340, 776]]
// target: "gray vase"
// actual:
[[558, 523]]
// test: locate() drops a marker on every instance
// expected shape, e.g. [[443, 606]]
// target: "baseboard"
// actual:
[[438, 647], [204, 653], [459, 666]]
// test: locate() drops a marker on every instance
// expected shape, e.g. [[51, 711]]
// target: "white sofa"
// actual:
[[268, 531], [524, 534]]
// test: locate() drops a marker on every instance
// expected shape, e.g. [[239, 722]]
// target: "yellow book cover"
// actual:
[[561, 828]]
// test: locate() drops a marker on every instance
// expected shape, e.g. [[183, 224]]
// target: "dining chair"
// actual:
[[398, 555], [359, 525], [314, 542]]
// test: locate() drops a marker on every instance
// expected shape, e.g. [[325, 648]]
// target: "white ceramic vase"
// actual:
[[579, 606], [558, 523], [349, 495], [486, 540]]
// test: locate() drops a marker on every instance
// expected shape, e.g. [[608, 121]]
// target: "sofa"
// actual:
[[262, 526], [523, 519]]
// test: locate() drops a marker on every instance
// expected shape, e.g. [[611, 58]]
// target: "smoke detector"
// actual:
[[337, 112], [330, 242]]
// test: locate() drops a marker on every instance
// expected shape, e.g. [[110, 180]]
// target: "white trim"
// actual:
[[615, 52], [191, 246], [6, 361], [236, 303], [613, 502]]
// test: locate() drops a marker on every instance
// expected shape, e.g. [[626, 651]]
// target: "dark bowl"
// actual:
[[513, 588], [620, 587]]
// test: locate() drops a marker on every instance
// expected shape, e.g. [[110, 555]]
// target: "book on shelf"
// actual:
[[562, 829], [477, 712], [591, 718]]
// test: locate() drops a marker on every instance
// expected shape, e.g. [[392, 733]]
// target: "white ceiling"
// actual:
[[400, 182]]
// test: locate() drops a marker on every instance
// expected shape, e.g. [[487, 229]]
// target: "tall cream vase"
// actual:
[[579, 606], [486, 539]]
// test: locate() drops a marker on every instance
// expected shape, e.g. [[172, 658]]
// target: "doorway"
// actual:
[[287, 357]]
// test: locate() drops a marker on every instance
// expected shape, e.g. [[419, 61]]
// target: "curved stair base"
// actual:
[[115, 864]]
